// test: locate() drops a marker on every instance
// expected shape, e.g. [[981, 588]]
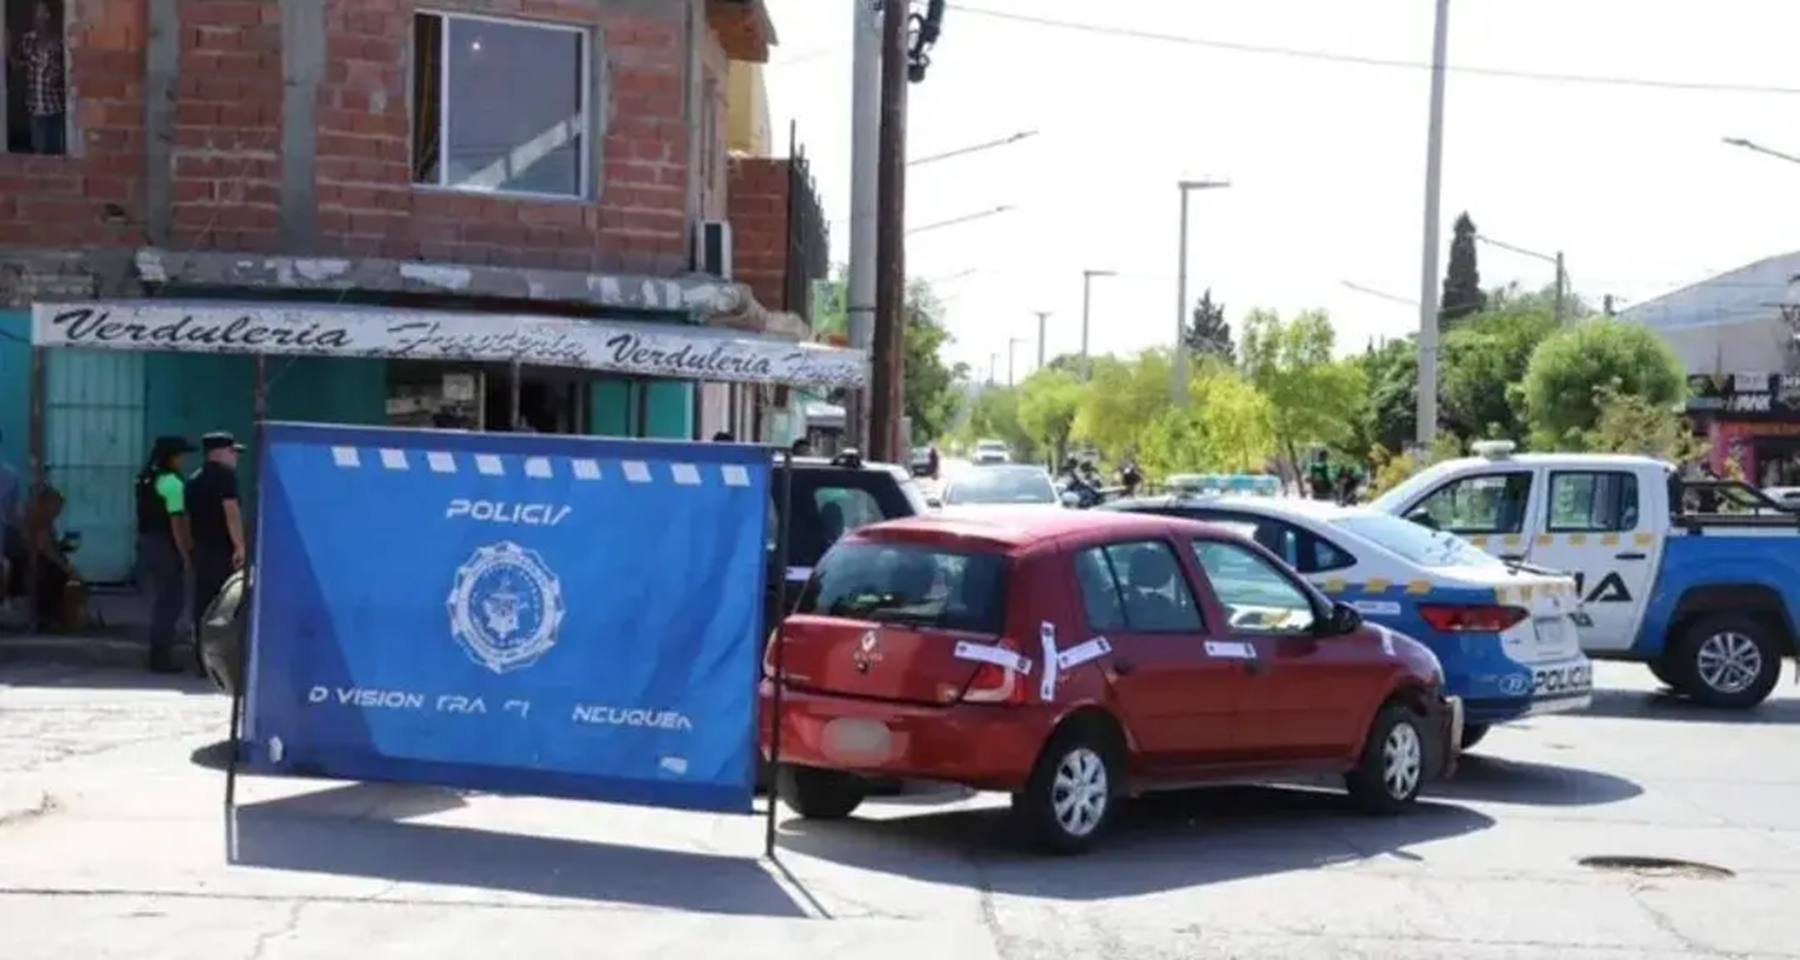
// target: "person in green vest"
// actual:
[[164, 544]]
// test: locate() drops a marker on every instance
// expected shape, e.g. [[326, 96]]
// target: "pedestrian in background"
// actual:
[[216, 522], [12, 527], [163, 544]]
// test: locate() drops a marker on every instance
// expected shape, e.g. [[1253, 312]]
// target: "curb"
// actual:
[[73, 651]]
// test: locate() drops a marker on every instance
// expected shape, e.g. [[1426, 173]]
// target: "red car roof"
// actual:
[[1016, 528]]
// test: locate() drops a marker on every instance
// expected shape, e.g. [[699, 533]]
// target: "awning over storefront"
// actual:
[[343, 330]]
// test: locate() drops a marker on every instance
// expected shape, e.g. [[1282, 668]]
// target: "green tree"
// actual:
[[1225, 427], [994, 415], [928, 382], [1389, 414], [1577, 369], [1633, 424], [1462, 279], [1121, 397], [1207, 333], [1480, 392], [1312, 398], [1048, 402]]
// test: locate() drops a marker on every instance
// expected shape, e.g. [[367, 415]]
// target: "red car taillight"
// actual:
[[768, 659], [993, 683], [1471, 618]]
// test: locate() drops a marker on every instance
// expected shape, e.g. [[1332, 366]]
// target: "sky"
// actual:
[[1326, 159]]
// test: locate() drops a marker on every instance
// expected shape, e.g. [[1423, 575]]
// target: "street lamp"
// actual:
[[1428, 255], [1554, 259], [1755, 147], [1012, 349], [1178, 385], [1087, 302], [977, 148]]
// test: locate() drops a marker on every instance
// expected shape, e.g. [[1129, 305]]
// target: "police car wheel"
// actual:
[[1728, 660], [1387, 779], [1473, 734], [819, 794]]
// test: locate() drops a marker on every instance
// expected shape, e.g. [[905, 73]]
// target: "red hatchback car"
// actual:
[[1074, 657]]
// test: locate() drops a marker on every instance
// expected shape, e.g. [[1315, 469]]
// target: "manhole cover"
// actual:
[[1657, 867]]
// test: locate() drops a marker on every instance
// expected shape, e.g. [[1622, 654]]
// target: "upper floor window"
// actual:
[[36, 79], [501, 106]]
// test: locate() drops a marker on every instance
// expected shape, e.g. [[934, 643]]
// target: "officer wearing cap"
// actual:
[[163, 544], [217, 520]]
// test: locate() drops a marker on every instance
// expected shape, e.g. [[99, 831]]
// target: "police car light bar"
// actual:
[[1494, 449]]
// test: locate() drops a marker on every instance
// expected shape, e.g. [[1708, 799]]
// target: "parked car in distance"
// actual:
[[1012, 484], [989, 452], [1071, 658], [1506, 636]]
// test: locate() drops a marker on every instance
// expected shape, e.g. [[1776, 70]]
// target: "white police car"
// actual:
[[1505, 634]]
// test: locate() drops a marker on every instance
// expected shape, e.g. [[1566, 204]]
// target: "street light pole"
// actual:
[[1178, 383], [1087, 303], [1428, 256], [1043, 321], [1554, 259], [1012, 350]]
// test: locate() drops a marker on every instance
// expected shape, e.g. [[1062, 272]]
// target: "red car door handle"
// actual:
[[1253, 666], [1123, 667]]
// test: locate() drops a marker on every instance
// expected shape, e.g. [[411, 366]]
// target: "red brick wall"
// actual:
[[61, 201], [227, 142], [757, 194]]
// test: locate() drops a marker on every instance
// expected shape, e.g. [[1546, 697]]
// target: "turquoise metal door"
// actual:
[[94, 445]]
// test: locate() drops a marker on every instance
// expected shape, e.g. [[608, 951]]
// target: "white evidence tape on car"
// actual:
[[1062, 660], [1230, 650]]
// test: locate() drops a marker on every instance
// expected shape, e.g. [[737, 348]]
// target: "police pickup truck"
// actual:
[[1706, 599]]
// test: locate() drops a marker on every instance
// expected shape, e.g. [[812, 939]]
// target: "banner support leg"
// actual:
[[780, 659]]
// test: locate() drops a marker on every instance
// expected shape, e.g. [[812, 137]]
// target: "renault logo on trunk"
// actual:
[[866, 655]]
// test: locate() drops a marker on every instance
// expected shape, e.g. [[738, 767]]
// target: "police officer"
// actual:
[[163, 544], [216, 521]]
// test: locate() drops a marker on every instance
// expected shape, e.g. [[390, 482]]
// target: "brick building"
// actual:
[[477, 213]]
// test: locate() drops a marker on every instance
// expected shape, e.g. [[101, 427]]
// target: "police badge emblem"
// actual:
[[506, 607]]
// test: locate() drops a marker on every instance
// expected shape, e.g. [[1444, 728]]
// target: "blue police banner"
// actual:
[[565, 616]]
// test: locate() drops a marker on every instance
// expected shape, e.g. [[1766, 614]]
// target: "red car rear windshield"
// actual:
[[911, 584]]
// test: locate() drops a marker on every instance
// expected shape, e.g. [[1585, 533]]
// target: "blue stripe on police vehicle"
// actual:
[[1505, 635]]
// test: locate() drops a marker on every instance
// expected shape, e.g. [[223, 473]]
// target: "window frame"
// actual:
[[1524, 515], [1321, 606], [1550, 525], [590, 134], [1305, 536], [1103, 547], [7, 38]]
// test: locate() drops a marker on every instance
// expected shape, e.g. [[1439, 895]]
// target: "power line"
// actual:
[[1326, 56]]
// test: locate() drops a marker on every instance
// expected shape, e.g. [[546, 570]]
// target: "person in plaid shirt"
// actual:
[[40, 52]]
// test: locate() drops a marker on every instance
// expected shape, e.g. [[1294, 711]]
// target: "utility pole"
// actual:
[[1178, 383], [1562, 287], [1043, 320], [1607, 306], [1428, 256], [1087, 303], [887, 367], [865, 174], [1012, 352], [993, 369]]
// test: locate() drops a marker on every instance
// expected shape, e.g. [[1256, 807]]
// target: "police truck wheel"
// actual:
[[1473, 734], [819, 794], [1387, 779], [1068, 801], [1728, 660]]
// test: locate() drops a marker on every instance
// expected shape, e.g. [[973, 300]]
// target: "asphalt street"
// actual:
[[113, 843]]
